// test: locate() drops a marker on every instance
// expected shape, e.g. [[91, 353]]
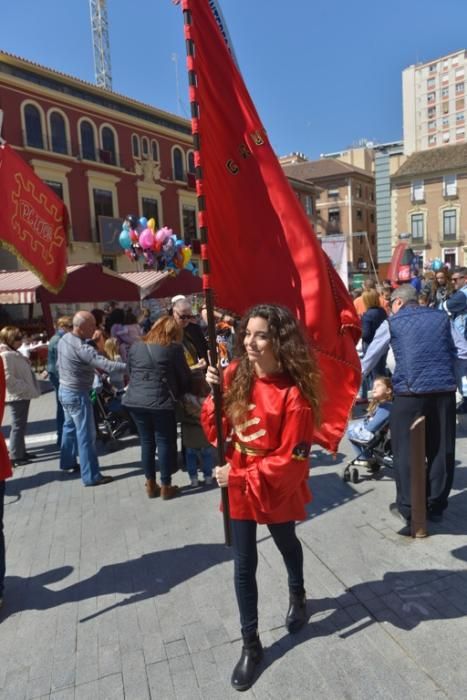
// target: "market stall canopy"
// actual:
[[156, 285], [85, 283], [93, 282]]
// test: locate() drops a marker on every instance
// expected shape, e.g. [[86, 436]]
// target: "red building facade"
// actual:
[[106, 156]]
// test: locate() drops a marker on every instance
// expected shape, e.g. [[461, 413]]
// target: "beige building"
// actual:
[[433, 96], [429, 202], [345, 204]]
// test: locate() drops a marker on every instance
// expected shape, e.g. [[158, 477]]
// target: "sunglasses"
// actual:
[[184, 317], [454, 279]]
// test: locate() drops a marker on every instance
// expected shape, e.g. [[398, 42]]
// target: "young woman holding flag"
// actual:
[[270, 410]]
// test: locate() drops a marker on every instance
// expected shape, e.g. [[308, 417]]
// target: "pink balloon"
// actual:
[[146, 239], [163, 234]]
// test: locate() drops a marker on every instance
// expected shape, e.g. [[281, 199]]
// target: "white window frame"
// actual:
[[417, 191], [450, 186]]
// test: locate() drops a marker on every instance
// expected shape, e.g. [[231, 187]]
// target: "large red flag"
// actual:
[[261, 246], [33, 220]]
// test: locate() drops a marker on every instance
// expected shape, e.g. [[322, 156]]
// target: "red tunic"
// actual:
[[268, 452]]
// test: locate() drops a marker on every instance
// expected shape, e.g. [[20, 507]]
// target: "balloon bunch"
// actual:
[[160, 248]]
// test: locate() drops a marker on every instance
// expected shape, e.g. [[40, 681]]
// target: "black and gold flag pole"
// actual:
[[208, 291]]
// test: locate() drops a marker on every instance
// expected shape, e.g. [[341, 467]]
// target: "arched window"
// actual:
[[33, 125], [108, 153], [191, 162], [154, 150], [88, 146], [58, 133], [178, 169], [135, 146], [144, 147]]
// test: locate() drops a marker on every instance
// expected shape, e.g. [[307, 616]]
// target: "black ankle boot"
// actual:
[[296, 614], [244, 672]]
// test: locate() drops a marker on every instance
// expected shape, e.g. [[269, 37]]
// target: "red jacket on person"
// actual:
[[268, 451]]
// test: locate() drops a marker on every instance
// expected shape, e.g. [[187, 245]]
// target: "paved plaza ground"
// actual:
[[112, 595]]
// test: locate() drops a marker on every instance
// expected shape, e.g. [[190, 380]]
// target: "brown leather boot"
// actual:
[[168, 492], [152, 488]]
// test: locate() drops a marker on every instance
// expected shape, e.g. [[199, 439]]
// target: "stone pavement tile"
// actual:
[[87, 691], [179, 664], [195, 637], [185, 685], [160, 681], [63, 672], [111, 687], [38, 686], [176, 648], [135, 682], [109, 659], [87, 668], [222, 690], [63, 694], [16, 684], [153, 648], [205, 667]]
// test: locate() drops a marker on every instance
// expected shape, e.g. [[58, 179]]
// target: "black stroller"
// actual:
[[380, 456], [112, 419]]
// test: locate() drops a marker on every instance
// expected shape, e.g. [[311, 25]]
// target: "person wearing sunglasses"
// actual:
[[194, 342], [456, 307], [21, 387]]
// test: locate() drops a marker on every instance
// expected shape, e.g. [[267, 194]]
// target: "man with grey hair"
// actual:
[[76, 364], [424, 384], [194, 342]]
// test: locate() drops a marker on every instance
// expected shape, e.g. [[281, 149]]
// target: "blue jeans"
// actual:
[[2, 539], [246, 561], [60, 416], [191, 459], [157, 429], [79, 434]]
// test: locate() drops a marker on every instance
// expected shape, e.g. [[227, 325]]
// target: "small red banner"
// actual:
[[33, 220]]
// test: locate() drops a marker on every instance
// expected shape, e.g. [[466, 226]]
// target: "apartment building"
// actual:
[[429, 203], [434, 107], [345, 204], [106, 155]]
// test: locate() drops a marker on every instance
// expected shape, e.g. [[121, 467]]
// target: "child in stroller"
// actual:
[[369, 436], [112, 419]]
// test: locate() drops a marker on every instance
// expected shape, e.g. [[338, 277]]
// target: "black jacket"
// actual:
[[159, 375]]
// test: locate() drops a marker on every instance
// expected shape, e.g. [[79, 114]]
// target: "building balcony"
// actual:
[[451, 241], [418, 243]]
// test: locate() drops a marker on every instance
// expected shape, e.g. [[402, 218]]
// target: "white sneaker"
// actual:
[[194, 481], [208, 480]]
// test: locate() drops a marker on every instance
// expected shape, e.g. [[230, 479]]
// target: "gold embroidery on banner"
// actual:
[[258, 140], [29, 223], [232, 167], [244, 151]]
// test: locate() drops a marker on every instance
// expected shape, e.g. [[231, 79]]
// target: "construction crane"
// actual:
[[100, 40]]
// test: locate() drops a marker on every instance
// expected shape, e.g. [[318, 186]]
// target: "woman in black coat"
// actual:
[[372, 318], [159, 375]]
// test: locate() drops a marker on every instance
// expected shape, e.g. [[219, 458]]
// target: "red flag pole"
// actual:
[[208, 291]]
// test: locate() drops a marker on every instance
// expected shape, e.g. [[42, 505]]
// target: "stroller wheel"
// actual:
[[354, 475], [346, 474]]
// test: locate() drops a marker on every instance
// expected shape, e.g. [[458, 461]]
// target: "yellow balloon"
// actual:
[[186, 255], [152, 224]]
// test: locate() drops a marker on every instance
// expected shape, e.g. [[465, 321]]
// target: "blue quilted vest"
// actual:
[[423, 349]]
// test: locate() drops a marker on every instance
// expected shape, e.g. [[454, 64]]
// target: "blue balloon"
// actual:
[[179, 243], [143, 221], [436, 265], [124, 239], [126, 226]]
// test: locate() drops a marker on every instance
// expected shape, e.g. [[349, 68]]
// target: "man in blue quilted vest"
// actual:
[[424, 384]]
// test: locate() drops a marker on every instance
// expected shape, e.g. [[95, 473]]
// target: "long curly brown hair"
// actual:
[[291, 349]]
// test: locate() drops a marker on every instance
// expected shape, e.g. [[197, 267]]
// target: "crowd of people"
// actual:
[[270, 386]]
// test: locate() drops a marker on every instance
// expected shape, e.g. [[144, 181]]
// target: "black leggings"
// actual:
[[246, 561]]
